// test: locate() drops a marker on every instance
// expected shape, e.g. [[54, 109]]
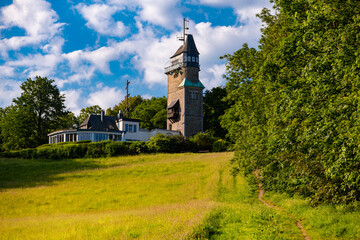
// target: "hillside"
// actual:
[[163, 196]]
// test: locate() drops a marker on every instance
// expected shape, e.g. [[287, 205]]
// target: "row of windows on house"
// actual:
[[130, 127], [73, 137]]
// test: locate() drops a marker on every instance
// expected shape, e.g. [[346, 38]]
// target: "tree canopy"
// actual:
[[152, 113], [214, 107], [34, 114], [85, 112], [296, 100], [133, 103]]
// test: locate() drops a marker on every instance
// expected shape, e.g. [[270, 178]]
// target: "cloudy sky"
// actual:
[[90, 48]]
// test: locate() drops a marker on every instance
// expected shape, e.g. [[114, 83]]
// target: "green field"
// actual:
[[163, 196]]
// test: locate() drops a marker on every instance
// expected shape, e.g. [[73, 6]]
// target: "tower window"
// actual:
[[197, 59], [189, 58], [193, 59], [194, 95]]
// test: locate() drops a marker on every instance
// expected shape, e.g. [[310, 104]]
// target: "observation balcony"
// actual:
[[173, 67]]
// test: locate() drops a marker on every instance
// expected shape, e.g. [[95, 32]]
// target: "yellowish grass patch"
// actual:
[[137, 197]]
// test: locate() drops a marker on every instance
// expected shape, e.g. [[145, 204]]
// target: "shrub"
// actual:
[[75, 150], [116, 149], [220, 145], [138, 147], [46, 153], [96, 149], [161, 143], [203, 141], [180, 144]]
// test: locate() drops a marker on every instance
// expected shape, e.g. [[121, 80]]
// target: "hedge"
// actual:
[[157, 144]]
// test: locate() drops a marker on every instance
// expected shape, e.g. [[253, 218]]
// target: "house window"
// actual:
[[100, 137], [130, 127]]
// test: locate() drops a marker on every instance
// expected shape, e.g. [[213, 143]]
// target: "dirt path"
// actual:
[[268, 204]]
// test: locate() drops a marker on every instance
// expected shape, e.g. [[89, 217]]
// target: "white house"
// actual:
[[97, 128]]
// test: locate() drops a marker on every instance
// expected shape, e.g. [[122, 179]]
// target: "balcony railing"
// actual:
[[172, 115], [173, 67]]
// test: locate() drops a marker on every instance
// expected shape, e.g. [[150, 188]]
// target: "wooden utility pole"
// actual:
[[127, 99]]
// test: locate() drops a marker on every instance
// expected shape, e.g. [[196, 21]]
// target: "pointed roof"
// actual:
[[187, 83], [94, 122], [188, 47], [173, 103]]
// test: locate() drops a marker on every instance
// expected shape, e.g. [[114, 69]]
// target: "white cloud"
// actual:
[[164, 13], [37, 65], [212, 76], [160, 12], [146, 96], [9, 89], [35, 16], [99, 18], [72, 100], [105, 97], [6, 71]]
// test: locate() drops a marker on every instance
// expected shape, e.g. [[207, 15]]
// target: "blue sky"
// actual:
[[90, 48]]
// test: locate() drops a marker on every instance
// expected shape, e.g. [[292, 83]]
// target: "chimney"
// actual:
[[102, 115], [120, 114]]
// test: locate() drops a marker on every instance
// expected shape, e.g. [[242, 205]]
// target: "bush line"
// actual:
[[86, 149]]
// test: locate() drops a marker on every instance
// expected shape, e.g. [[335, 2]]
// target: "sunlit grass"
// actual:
[[324, 221], [163, 196], [150, 196]]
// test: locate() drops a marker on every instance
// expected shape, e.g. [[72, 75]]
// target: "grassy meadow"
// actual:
[[162, 196]]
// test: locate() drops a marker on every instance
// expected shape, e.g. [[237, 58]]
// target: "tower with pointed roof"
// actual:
[[185, 98]]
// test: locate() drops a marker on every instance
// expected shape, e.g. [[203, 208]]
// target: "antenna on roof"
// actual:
[[127, 99], [182, 38]]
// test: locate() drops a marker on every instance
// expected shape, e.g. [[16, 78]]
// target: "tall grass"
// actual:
[[162, 196], [148, 196]]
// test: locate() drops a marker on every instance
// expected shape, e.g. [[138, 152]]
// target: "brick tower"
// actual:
[[185, 98]]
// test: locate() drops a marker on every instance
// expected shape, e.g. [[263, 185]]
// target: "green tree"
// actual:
[[17, 128], [133, 103], [43, 100], [85, 112], [69, 121], [2, 114], [214, 107], [296, 100], [152, 113]]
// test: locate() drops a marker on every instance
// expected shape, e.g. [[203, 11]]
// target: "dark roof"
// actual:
[[130, 119], [188, 47], [173, 103], [94, 122]]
